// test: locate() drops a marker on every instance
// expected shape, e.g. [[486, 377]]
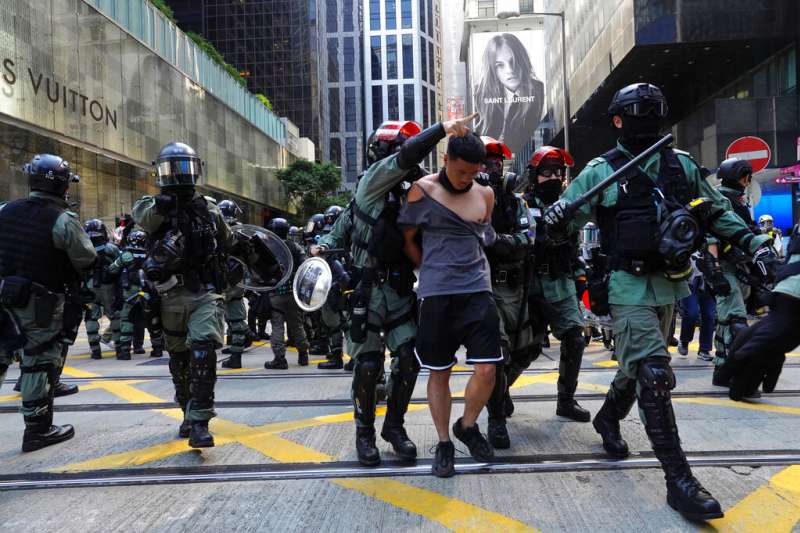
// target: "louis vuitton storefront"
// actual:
[[106, 83]]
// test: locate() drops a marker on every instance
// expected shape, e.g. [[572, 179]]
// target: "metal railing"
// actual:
[[157, 32]]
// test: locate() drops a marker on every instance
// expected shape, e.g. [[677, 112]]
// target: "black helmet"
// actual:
[[732, 170], [97, 231], [279, 226], [49, 173], [178, 165], [230, 211], [331, 214], [388, 138], [138, 241], [296, 234], [314, 226], [639, 100]]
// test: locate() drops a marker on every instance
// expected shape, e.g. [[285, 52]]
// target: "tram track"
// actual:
[[347, 402], [523, 464]]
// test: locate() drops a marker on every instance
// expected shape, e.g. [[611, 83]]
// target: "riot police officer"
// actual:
[[43, 249], [296, 234], [235, 311], [736, 175], [285, 314], [332, 319], [137, 304], [553, 292], [384, 298], [315, 330], [767, 225], [648, 266], [104, 285], [186, 264], [508, 259]]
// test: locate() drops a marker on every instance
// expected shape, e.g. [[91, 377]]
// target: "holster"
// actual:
[[44, 305], [15, 292]]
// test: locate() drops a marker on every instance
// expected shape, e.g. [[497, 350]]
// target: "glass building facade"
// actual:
[[403, 55], [75, 81]]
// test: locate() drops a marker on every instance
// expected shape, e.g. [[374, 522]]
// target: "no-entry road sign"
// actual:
[[754, 150]]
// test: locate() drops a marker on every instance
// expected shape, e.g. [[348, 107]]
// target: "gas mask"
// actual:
[[548, 191], [166, 257], [681, 236]]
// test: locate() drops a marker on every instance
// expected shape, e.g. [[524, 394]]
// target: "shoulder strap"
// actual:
[[616, 158], [363, 216]]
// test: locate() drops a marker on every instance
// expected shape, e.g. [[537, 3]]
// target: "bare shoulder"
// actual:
[[425, 184], [487, 194]]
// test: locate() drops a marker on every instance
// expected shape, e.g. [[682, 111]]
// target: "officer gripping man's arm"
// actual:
[[384, 299], [43, 249]]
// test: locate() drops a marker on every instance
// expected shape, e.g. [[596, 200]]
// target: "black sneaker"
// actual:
[[479, 447], [683, 349], [704, 356], [444, 460]]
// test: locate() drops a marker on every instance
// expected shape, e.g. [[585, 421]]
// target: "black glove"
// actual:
[[718, 283], [164, 203], [765, 262], [557, 214], [503, 246]]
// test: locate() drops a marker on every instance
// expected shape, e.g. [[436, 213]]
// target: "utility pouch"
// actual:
[[15, 292], [598, 295], [402, 279], [358, 316], [638, 233], [11, 336], [44, 307]]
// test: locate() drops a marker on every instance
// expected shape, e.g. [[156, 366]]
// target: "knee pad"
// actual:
[[368, 367], [178, 363], [656, 375], [405, 362], [573, 343]]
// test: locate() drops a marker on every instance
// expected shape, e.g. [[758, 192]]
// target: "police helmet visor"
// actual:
[[645, 108], [549, 172], [493, 165], [175, 172]]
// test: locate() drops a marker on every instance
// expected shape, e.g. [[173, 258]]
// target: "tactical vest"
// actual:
[[203, 260], [738, 207], [386, 241], [26, 244], [629, 230], [555, 258], [101, 275], [131, 271]]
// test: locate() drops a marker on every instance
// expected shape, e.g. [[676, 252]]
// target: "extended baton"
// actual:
[[615, 177]]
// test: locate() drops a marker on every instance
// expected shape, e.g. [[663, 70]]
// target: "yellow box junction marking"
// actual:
[[449, 512]]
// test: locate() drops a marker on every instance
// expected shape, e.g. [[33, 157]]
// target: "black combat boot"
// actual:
[[403, 446], [368, 454], [62, 389], [568, 407], [123, 353], [186, 426], [334, 361], [139, 350], [156, 351], [279, 363], [348, 366], [497, 431], [606, 422], [302, 358], [684, 493], [199, 437], [97, 352], [234, 361], [40, 432], [318, 347]]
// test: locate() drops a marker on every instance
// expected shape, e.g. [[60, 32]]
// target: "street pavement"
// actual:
[[286, 463]]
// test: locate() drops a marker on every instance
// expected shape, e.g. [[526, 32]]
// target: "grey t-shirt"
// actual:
[[453, 261]]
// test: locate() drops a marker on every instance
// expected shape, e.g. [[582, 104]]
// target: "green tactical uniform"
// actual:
[[285, 315], [42, 352], [236, 318], [641, 303], [128, 266], [554, 302], [731, 308], [104, 286], [190, 319]]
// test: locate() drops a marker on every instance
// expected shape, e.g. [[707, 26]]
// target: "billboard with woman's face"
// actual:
[[507, 91]]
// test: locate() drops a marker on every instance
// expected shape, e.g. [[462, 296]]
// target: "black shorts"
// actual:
[[449, 321]]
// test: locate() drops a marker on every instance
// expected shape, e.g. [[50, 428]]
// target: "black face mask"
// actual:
[[549, 191], [445, 182], [639, 133]]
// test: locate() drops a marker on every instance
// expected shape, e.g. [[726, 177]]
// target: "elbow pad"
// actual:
[[414, 150]]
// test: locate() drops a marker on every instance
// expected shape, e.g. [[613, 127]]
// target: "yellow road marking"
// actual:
[[237, 370], [606, 364], [775, 507], [89, 356], [78, 373], [10, 397], [752, 406], [452, 514]]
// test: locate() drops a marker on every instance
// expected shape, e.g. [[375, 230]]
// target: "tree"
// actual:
[[313, 186]]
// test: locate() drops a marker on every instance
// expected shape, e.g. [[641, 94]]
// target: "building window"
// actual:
[[333, 109], [352, 154], [347, 15], [408, 56], [433, 107], [374, 14], [349, 60], [430, 18], [431, 65], [391, 57], [425, 116], [526, 6], [333, 59], [409, 113], [423, 55], [335, 152], [391, 14], [405, 9], [350, 109], [377, 106], [485, 8], [394, 103], [422, 15], [331, 11], [375, 43]]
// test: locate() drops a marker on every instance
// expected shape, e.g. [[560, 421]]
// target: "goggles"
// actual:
[[647, 107], [549, 172]]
